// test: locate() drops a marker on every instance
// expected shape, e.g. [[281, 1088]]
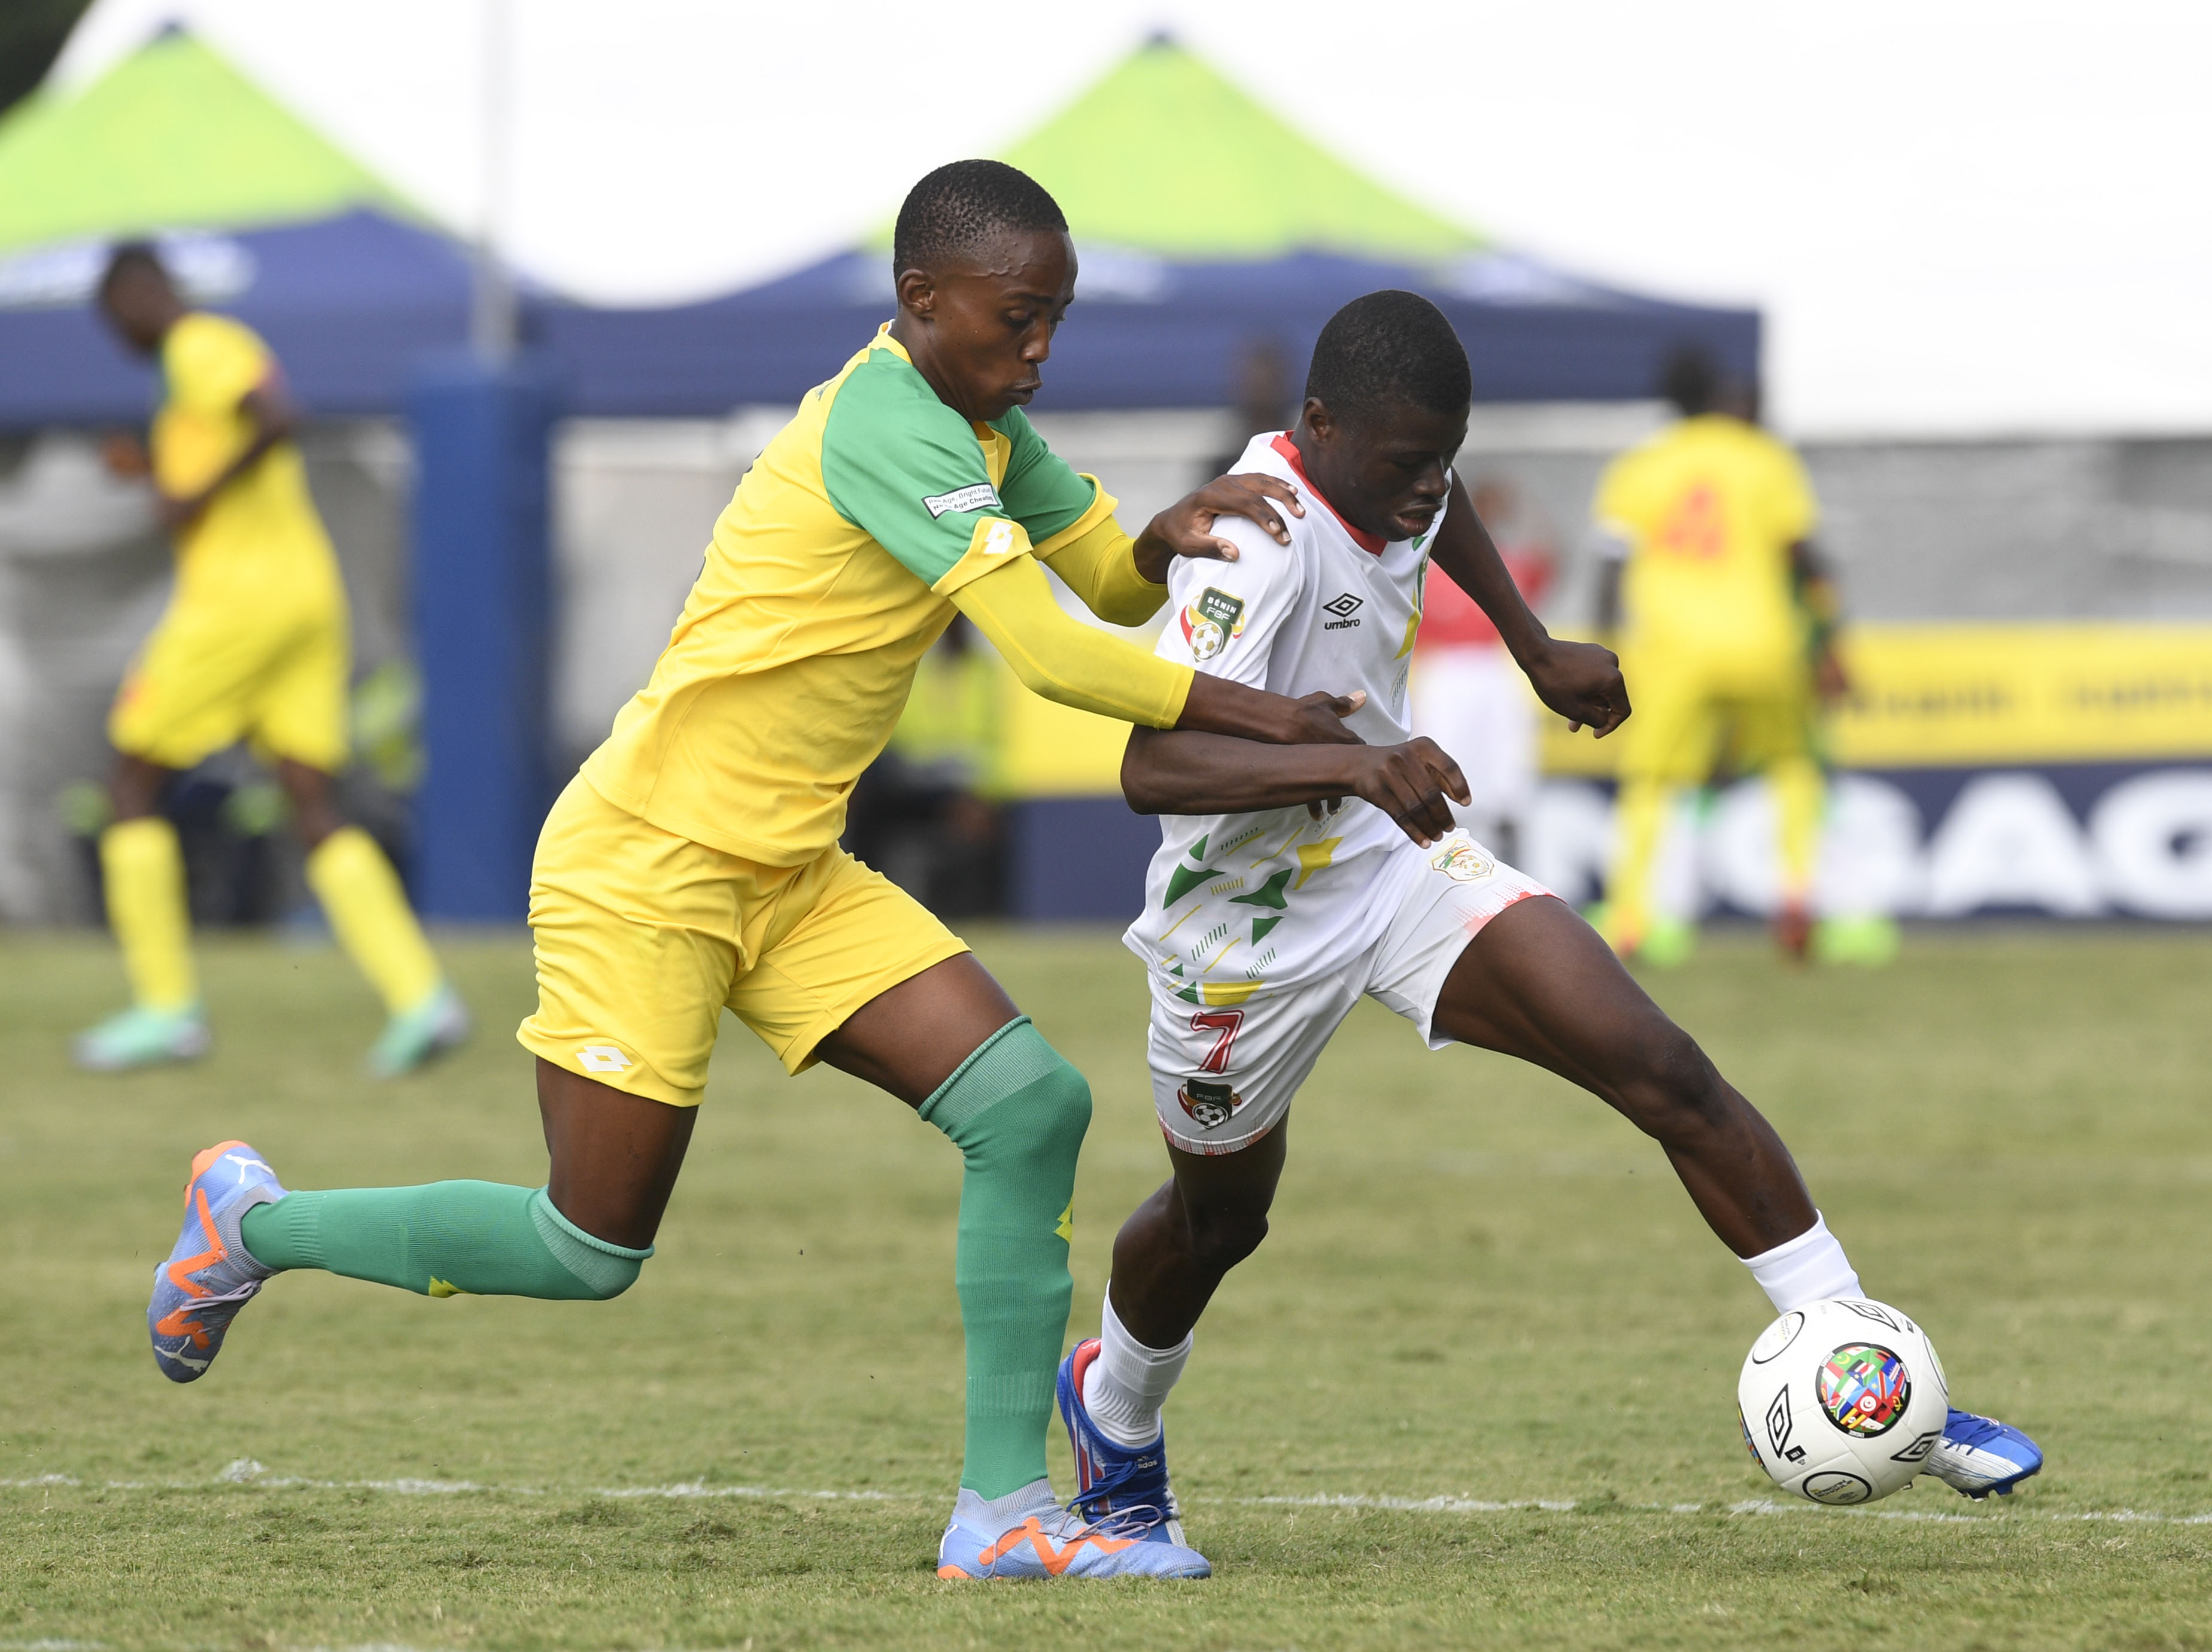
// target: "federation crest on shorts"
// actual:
[[1211, 622], [1211, 1105], [1460, 861]]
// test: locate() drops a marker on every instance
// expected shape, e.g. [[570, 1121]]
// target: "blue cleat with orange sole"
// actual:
[[1982, 1457], [210, 1275], [1055, 1542]]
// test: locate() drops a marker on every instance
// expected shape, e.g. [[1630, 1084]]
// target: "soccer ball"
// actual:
[[1842, 1402]]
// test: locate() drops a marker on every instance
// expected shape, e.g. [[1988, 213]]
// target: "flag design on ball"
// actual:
[[1863, 1389]]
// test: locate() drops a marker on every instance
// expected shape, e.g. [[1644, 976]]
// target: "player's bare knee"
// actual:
[[1674, 1091], [1223, 1236]]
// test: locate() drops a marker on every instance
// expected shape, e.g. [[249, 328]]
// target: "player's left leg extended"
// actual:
[[1537, 983], [362, 895]]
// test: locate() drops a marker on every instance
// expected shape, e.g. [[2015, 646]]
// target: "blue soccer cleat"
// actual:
[[210, 1274], [1118, 1487], [1979, 1455], [1056, 1542]]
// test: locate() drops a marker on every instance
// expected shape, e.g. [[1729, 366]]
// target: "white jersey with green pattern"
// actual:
[[1239, 905]]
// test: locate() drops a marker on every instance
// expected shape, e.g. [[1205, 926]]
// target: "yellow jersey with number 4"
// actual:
[[258, 545], [1709, 509]]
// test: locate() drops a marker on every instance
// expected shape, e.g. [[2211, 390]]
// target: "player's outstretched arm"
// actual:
[[1068, 661], [1171, 773], [1580, 681]]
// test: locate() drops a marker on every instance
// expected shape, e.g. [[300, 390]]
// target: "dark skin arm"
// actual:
[[270, 411], [1580, 681], [1166, 772], [1815, 586]]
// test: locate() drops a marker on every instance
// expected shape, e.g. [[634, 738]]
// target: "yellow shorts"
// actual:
[[644, 938], [1759, 709], [210, 675]]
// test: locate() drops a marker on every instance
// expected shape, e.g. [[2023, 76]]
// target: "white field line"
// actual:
[[246, 1471]]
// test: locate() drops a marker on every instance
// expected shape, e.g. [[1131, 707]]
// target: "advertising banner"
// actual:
[[2056, 769]]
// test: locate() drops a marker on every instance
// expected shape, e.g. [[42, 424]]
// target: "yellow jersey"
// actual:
[[259, 543], [829, 574], [1709, 509]]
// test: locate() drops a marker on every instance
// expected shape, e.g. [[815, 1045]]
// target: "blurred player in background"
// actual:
[[1469, 695], [1726, 620], [693, 866], [253, 645]]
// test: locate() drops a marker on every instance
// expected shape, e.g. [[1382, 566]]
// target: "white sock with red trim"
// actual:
[[1128, 1382]]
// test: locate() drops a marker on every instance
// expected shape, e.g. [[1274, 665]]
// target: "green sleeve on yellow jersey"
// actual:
[[1040, 491], [907, 471]]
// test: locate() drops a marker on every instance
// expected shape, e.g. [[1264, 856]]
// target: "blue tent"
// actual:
[[1147, 331], [350, 303]]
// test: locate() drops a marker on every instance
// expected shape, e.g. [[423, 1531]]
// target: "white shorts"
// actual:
[[1223, 1078]]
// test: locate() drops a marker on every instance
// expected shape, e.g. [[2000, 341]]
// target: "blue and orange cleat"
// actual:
[[1055, 1542], [1981, 1456], [210, 1274], [1114, 1486]]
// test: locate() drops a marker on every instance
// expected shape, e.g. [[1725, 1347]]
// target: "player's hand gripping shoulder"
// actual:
[[1183, 773], [1186, 527]]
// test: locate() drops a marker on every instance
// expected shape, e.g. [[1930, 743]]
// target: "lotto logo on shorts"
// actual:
[[1210, 1105], [1461, 862], [602, 1058]]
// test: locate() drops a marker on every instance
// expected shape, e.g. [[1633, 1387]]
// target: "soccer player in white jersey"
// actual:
[[1271, 908]]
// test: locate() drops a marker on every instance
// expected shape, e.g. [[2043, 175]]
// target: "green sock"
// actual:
[[1017, 1111], [481, 1237]]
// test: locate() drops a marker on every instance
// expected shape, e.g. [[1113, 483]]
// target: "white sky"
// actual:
[[1971, 216]]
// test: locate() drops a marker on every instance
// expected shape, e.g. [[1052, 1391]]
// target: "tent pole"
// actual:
[[492, 321]]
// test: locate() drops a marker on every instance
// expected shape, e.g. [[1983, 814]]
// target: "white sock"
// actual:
[[1128, 1382], [1812, 1267]]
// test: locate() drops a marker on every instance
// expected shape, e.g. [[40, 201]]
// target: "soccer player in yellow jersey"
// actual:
[[694, 866], [1726, 620], [253, 647]]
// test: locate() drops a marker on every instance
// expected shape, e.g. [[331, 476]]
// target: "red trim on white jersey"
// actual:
[[1372, 543]]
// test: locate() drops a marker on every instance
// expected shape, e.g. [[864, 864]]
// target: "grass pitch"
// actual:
[[1476, 1389]]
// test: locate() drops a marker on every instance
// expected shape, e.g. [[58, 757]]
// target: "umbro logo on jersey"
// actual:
[[981, 497], [601, 1058], [1344, 608]]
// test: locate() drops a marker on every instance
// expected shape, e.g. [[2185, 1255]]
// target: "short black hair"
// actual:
[[1691, 379], [132, 257], [1389, 349], [961, 206]]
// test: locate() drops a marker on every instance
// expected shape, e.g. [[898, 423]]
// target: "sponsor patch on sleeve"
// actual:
[[980, 496]]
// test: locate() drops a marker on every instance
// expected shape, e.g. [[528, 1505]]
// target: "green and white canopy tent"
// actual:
[[1206, 223]]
